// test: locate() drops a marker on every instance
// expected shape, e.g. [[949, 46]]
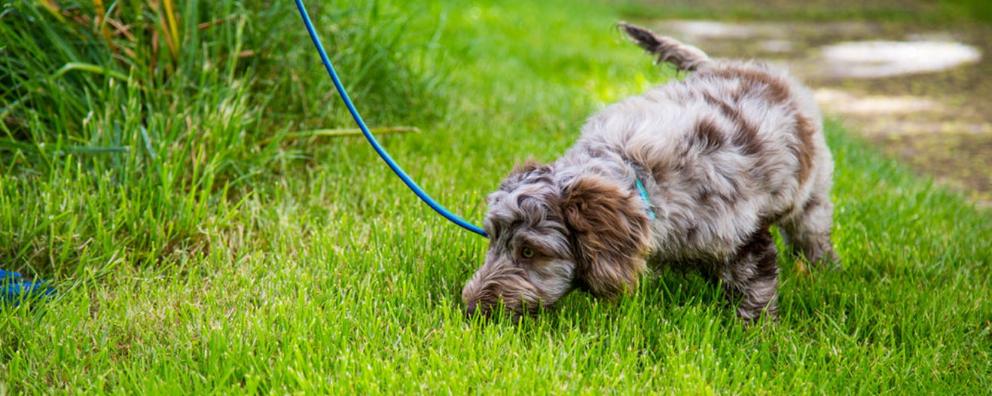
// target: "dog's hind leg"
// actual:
[[808, 231], [752, 275]]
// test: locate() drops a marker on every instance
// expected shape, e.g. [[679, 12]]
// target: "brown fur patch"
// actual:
[[708, 135], [752, 80], [810, 203], [612, 231], [746, 134], [804, 132]]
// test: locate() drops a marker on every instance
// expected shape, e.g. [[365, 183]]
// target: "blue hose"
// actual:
[[368, 134]]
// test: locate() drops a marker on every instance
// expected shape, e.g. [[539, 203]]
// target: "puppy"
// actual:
[[692, 173]]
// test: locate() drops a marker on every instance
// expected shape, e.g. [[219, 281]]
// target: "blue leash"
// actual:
[[368, 134], [14, 288]]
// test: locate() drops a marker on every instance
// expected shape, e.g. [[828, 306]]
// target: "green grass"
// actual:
[[214, 249]]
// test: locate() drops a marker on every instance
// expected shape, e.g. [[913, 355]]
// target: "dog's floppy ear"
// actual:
[[611, 233]]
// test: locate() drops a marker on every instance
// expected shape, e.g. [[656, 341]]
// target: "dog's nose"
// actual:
[[470, 309]]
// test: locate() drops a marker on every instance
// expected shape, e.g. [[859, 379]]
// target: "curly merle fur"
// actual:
[[731, 150]]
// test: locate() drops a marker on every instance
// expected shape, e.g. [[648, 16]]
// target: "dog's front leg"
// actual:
[[752, 275]]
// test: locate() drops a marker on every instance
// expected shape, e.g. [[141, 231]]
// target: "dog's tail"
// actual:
[[666, 49]]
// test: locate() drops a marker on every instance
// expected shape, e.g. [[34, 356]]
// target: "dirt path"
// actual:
[[922, 96]]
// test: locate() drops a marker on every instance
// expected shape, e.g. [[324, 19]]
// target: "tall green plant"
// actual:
[[164, 112]]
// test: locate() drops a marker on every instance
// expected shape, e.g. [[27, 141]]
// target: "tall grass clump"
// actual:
[[134, 124]]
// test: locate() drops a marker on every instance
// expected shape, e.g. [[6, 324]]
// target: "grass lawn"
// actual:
[[204, 238]]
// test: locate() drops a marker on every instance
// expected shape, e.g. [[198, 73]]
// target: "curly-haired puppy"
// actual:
[[691, 173]]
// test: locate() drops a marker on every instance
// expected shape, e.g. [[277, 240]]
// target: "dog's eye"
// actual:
[[527, 252]]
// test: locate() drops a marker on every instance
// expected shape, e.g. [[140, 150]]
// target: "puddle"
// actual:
[[922, 96], [876, 59]]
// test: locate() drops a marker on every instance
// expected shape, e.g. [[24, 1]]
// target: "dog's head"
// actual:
[[548, 236]]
